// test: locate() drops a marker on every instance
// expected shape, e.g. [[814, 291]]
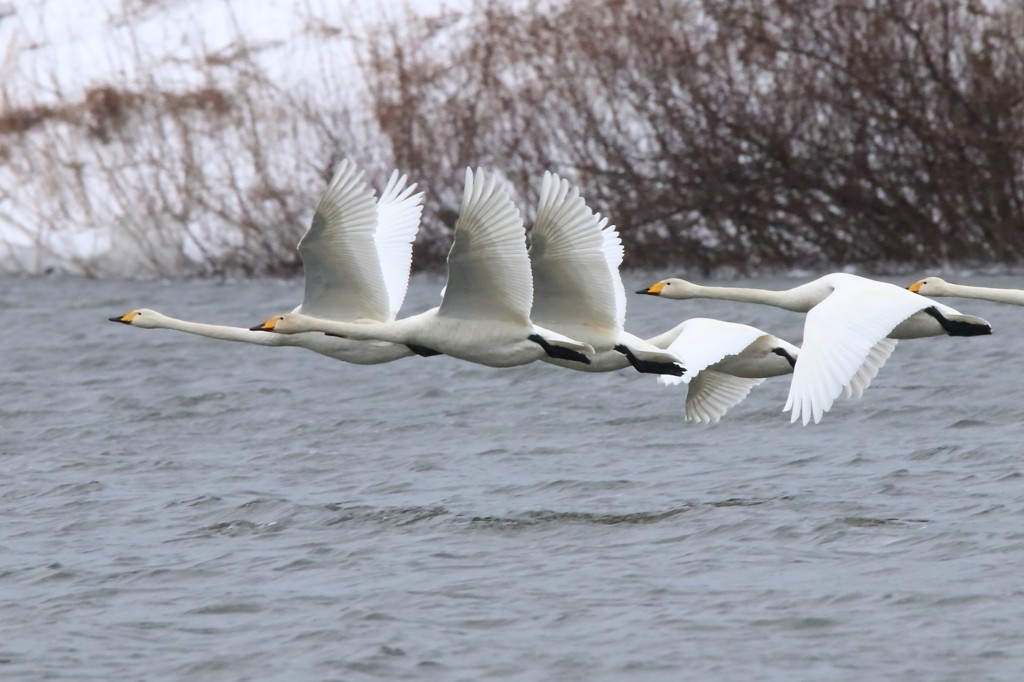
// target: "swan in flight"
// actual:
[[578, 292], [724, 361], [575, 257], [484, 316], [851, 327], [355, 257], [936, 286]]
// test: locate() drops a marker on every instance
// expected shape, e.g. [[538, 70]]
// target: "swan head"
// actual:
[[672, 287], [929, 286], [142, 317], [285, 323]]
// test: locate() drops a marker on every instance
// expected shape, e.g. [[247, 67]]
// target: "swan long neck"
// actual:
[[222, 332], [393, 332], [1013, 296], [791, 299]]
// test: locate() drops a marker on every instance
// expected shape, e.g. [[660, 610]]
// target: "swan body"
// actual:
[[724, 362], [936, 286], [575, 257], [356, 257], [495, 343], [850, 331], [484, 316], [738, 349]]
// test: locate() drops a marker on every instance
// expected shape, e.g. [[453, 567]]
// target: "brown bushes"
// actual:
[[751, 133], [794, 133], [143, 179]]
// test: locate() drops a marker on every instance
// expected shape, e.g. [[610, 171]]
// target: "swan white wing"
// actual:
[[339, 253], [398, 221], [575, 256], [702, 342], [839, 336], [613, 254], [877, 356], [712, 394], [488, 267]]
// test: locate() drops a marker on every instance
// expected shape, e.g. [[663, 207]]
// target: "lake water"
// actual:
[[177, 508]]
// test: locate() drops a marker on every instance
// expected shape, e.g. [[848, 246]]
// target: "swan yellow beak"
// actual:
[[126, 318], [653, 290], [267, 326], [916, 286]]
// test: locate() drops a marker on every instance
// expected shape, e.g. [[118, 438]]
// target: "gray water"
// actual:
[[176, 508]]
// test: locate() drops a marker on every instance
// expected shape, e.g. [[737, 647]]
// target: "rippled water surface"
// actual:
[[176, 508]]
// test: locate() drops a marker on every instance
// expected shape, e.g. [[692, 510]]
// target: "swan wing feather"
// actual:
[[877, 356], [575, 256], [712, 394], [840, 336], [488, 266], [343, 278], [398, 220], [702, 342]]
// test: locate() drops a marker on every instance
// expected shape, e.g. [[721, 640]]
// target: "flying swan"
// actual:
[[578, 292], [936, 286], [355, 256], [851, 330], [484, 316], [575, 257], [724, 361]]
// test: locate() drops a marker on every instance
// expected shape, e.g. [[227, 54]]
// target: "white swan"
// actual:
[[936, 286], [355, 256], [484, 316], [578, 292], [724, 361], [575, 257], [845, 335]]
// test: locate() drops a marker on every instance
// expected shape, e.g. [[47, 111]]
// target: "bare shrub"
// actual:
[[795, 133], [166, 175], [750, 133]]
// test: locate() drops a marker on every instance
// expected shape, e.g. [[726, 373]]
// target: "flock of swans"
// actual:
[[562, 301]]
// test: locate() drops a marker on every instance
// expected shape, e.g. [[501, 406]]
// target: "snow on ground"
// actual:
[[56, 48], [73, 210]]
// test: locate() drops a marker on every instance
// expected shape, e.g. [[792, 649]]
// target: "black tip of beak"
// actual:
[[259, 328], [645, 291], [118, 319]]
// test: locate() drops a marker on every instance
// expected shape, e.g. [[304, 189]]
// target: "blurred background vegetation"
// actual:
[[748, 134]]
